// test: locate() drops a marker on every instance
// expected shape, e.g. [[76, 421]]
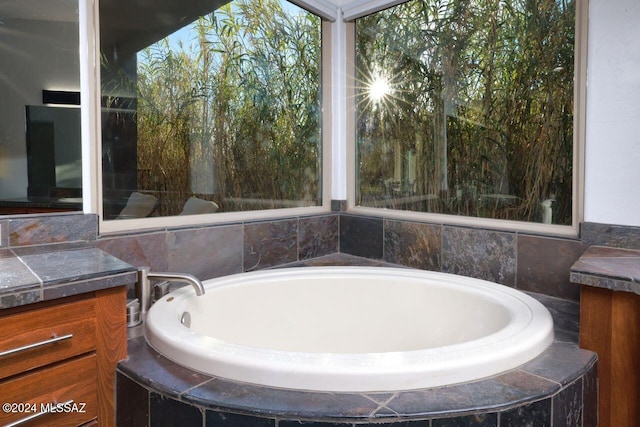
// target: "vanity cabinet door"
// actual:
[[62, 395], [39, 337], [63, 350]]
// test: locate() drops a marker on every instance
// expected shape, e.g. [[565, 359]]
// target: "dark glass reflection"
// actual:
[[40, 167]]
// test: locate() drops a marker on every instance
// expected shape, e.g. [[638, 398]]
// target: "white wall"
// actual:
[[612, 186], [34, 55]]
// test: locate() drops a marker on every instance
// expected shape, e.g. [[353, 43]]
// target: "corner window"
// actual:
[[209, 108], [466, 108]]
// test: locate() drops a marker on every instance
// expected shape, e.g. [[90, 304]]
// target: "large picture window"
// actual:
[[209, 108], [467, 108]]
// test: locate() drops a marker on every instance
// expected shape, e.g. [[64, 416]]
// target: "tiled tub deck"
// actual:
[[557, 389]]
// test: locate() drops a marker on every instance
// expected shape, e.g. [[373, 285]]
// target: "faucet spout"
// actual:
[[180, 277], [143, 290]]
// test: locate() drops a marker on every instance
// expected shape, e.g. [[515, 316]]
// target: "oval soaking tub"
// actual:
[[349, 328]]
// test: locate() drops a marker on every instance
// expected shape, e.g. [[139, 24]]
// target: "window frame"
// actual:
[[92, 139], [361, 9]]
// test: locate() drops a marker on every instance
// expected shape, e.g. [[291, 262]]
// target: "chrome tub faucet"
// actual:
[[144, 287]]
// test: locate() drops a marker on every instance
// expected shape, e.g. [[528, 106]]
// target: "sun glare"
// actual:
[[379, 88]]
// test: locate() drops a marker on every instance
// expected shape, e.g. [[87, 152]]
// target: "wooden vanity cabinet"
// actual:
[[609, 326], [61, 356]]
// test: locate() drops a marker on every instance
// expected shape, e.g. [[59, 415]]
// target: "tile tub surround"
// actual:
[[40, 273], [608, 268], [534, 263], [615, 236], [42, 229], [556, 389], [526, 262], [210, 251]]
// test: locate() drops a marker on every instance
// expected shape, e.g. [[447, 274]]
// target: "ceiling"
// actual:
[[131, 25]]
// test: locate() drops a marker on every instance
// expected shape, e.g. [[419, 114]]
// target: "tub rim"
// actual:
[[528, 335]]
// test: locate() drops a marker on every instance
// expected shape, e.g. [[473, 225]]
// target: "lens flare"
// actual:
[[379, 88]]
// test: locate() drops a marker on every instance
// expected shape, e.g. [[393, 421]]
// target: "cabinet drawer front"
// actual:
[[36, 338], [30, 394]]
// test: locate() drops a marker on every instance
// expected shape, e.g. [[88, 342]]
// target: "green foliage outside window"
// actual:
[[465, 107], [228, 109]]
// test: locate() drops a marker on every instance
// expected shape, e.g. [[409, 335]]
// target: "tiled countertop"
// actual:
[[39, 273], [610, 268]]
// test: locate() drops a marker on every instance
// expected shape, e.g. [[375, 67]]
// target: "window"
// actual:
[[466, 108], [209, 108], [40, 142]]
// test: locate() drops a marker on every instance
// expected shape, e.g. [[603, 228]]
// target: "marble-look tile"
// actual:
[[83, 286], [622, 264], [566, 317], [30, 274], [338, 205], [14, 275], [296, 423], [318, 236], [74, 264], [23, 251], [502, 390], [619, 236], [476, 420], [483, 254], [4, 233], [567, 406], [206, 252], [544, 263], [147, 366], [227, 419], [590, 397], [167, 412], [6, 253], [419, 423], [344, 259], [270, 243], [270, 401], [20, 298], [618, 285], [595, 253], [413, 244], [38, 230], [381, 397], [537, 414], [140, 250], [361, 236], [132, 402], [609, 268], [561, 363]]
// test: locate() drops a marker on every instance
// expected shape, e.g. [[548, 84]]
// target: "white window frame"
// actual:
[[361, 8], [92, 140]]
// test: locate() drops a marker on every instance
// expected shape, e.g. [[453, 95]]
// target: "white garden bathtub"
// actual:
[[350, 328]]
